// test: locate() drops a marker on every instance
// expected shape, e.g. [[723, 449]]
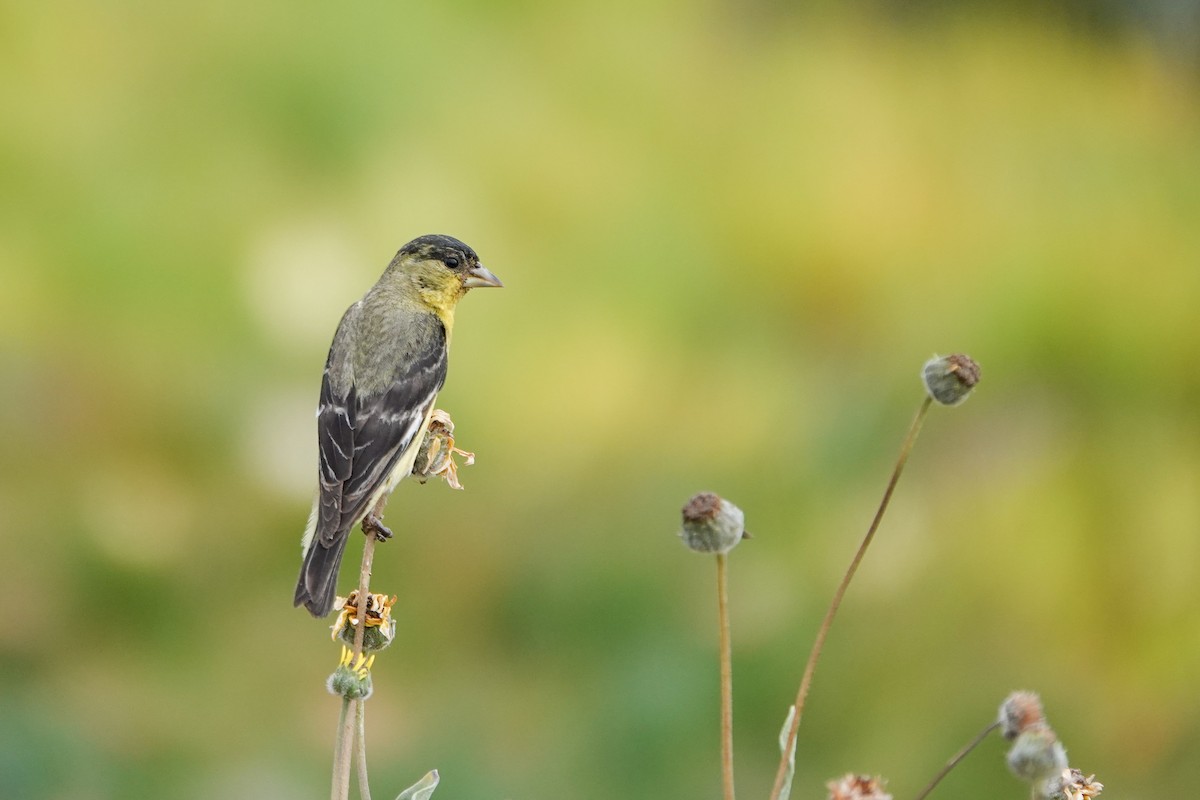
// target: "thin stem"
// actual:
[[364, 585], [953, 762], [364, 786], [341, 767], [342, 745], [823, 631], [726, 678]]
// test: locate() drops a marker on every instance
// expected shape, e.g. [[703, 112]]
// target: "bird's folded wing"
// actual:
[[363, 437]]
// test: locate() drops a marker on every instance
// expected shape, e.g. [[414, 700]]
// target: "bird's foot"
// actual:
[[374, 524]]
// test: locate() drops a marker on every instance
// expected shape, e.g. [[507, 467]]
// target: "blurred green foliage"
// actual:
[[730, 237]]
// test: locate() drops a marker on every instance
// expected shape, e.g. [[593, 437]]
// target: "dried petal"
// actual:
[[857, 787]]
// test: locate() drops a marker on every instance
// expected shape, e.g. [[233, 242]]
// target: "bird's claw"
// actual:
[[373, 524]]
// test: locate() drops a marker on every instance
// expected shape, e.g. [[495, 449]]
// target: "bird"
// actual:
[[385, 367]]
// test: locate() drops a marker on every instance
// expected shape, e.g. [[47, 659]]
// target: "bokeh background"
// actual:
[[730, 234]]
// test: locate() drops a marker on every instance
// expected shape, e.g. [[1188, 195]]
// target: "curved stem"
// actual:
[[823, 631], [953, 762]]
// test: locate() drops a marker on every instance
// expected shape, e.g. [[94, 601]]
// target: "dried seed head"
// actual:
[[712, 525], [1072, 784], [1037, 755], [1019, 711], [380, 627], [857, 787], [702, 507], [950, 379]]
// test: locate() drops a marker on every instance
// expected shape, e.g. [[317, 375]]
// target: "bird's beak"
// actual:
[[479, 277]]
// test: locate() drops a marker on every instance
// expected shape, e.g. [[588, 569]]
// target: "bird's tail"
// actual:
[[318, 576]]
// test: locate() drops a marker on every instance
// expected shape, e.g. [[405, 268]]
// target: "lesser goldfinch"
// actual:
[[385, 367]]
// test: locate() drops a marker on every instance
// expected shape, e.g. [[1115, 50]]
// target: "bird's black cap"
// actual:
[[436, 245]]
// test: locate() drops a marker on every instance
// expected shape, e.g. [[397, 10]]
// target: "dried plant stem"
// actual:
[[341, 789], [726, 677], [360, 748], [341, 767], [823, 631], [953, 762]]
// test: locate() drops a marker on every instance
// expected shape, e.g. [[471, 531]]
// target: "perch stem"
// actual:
[[341, 767], [726, 677]]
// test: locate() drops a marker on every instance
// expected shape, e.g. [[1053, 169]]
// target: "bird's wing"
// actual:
[[362, 437], [335, 435]]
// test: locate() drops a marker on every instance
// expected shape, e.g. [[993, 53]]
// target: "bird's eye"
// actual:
[[450, 261]]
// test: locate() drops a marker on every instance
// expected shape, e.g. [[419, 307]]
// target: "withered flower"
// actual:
[[380, 625], [857, 787], [435, 457], [1074, 785]]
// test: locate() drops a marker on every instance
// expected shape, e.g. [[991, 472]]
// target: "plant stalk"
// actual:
[[726, 655], [823, 631], [953, 762], [341, 767], [341, 789], [360, 754]]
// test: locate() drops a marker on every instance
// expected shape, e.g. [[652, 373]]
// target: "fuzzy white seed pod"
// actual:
[[712, 525], [1037, 755]]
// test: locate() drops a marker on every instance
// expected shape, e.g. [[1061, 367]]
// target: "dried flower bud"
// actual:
[[1036, 755], [712, 525], [1071, 784], [950, 379], [380, 627], [1018, 712], [857, 787], [435, 456]]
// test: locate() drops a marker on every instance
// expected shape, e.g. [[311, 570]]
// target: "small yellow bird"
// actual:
[[385, 367]]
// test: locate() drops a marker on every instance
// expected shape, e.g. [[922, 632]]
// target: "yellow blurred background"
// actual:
[[730, 235]]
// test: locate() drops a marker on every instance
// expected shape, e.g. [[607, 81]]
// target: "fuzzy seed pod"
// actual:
[[1018, 712], [712, 525], [346, 682], [950, 379], [1037, 755]]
